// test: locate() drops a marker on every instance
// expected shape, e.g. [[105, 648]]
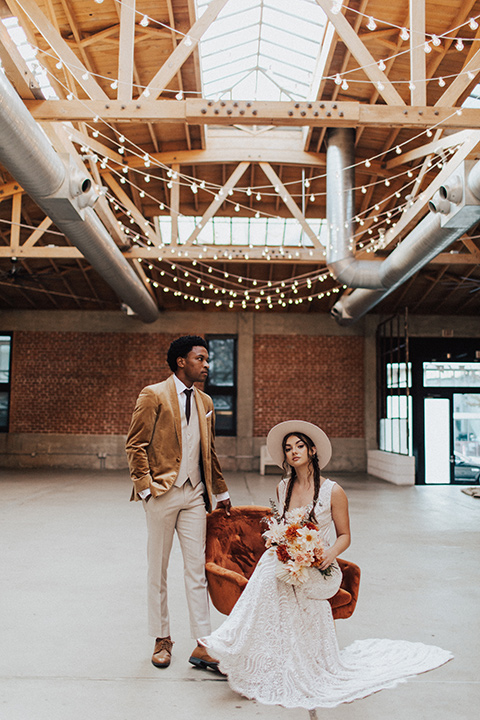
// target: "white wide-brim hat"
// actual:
[[290, 427]]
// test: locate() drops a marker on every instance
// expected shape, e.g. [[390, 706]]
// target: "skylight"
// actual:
[[261, 49], [244, 231], [29, 54]]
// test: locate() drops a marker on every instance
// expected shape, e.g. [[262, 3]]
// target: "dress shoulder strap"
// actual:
[[325, 494]]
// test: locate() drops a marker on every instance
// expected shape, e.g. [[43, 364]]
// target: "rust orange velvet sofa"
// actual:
[[234, 546]]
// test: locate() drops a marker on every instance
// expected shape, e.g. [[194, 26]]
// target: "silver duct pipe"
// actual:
[[431, 236], [340, 212], [65, 195]]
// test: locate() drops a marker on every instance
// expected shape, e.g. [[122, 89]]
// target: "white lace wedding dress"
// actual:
[[279, 647]]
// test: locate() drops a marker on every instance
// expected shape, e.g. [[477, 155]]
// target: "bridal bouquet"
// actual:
[[298, 544]]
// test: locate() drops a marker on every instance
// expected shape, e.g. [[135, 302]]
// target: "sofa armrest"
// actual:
[[225, 586]]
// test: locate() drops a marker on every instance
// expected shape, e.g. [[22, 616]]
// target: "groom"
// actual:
[[175, 470]]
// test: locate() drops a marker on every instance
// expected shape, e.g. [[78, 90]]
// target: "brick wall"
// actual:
[[318, 379], [82, 383]]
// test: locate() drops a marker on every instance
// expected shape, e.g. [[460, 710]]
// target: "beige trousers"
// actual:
[[180, 509]]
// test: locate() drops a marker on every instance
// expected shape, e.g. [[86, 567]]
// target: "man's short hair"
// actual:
[[181, 347]]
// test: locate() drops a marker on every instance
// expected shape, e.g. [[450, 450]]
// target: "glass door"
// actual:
[[437, 441], [452, 438], [466, 437]]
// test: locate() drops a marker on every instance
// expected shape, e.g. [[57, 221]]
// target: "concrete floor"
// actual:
[[73, 614]]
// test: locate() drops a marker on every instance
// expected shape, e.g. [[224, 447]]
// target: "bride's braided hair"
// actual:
[[290, 471]]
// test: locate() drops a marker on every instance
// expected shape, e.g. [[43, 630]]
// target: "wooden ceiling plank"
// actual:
[[126, 50], [218, 201], [62, 50], [290, 202], [430, 288], [418, 91], [183, 50], [362, 55]]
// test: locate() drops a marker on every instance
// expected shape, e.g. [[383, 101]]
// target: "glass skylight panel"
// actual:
[[281, 42], [245, 231]]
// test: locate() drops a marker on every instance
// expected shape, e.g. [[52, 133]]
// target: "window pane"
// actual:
[[3, 410], [397, 375], [222, 365], [5, 342], [224, 418], [451, 374]]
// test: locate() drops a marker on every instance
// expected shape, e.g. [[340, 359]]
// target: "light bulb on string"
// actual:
[[248, 191], [312, 198], [258, 197], [473, 24], [470, 75], [85, 76], [459, 45], [179, 95], [428, 133], [367, 163], [411, 86], [146, 92], [345, 84], [382, 66], [338, 79], [404, 34], [371, 25], [398, 150], [188, 40], [59, 65], [380, 86], [436, 40], [237, 208], [427, 47], [441, 82], [194, 188], [144, 21], [114, 84], [70, 96]]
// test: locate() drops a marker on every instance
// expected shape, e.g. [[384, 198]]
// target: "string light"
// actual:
[[473, 24], [144, 21], [371, 25], [405, 35], [441, 82], [459, 45], [382, 66]]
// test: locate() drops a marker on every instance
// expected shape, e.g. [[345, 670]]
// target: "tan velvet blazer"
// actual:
[[154, 441]]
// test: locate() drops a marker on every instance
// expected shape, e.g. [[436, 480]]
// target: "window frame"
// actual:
[[7, 386], [230, 390]]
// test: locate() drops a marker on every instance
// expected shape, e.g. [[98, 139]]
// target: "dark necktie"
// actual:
[[188, 394]]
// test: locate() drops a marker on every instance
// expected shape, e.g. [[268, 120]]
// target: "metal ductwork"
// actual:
[[66, 196], [454, 209]]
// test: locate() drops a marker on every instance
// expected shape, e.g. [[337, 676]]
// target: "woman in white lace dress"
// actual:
[[278, 644]]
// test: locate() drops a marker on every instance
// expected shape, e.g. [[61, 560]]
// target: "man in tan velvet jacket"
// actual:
[[175, 472]]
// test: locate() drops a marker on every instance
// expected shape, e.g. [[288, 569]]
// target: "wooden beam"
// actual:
[[363, 56], [231, 113], [218, 201], [462, 81], [125, 50], [418, 93], [9, 189], [16, 220], [413, 214], [62, 50], [290, 203], [37, 234], [127, 203], [447, 141], [175, 203], [183, 50], [453, 258], [16, 69]]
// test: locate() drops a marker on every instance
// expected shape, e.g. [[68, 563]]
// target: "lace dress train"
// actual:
[[279, 646]]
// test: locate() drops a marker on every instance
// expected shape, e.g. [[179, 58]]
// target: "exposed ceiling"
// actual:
[[237, 177]]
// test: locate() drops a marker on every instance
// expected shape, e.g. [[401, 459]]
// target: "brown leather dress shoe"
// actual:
[[202, 659], [162, 653]]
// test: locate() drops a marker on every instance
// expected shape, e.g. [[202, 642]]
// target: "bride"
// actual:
[[278, 645]]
